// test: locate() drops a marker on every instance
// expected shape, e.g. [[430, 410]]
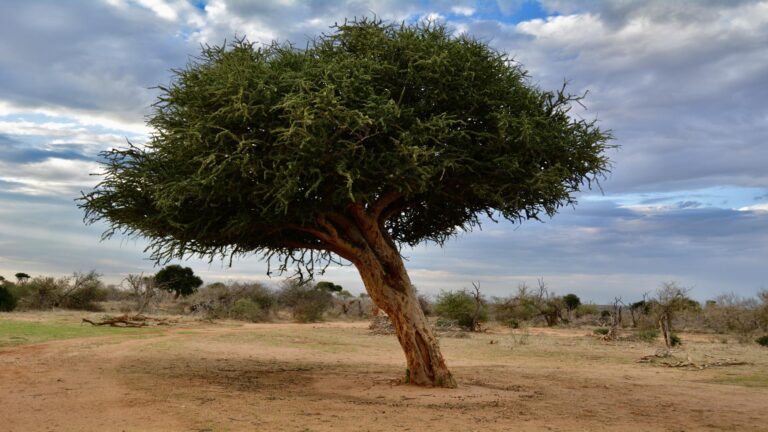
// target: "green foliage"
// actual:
[[462, 307], [219, 300], [572, 301], [586, 310], [601, 331], [179, 280], [7, 300], [254, 144], [674, 340], [648, 334], [247, 310], [642, 306], [605, 314], [25, 332], [22, 277], [43, 292], [81, 291], [762, 340], [330, 287], [307, 303]]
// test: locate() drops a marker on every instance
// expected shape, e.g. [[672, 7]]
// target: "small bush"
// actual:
[[586, 310], [601, 331], [307, 303], [462, 307], [246, 309], [674, 340], [648, 335], [7, 300], [763, 341]]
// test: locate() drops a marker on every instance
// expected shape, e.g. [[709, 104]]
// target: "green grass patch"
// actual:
[[24, 332], [751, 380]]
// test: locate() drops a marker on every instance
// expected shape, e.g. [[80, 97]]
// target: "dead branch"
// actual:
[[128, 321]]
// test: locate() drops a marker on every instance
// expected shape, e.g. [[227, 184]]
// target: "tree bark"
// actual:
[[390, 288], [383, 272]]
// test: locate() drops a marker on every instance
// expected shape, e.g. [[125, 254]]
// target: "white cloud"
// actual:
[[52, 177], [463, 10], [755, 208]]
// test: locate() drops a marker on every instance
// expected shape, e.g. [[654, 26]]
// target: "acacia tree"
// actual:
[[374, 137], [181, 281]]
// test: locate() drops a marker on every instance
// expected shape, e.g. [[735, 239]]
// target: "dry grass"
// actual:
[[336, 376]]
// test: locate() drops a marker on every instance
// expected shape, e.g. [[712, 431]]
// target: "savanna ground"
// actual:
[[59, 375]]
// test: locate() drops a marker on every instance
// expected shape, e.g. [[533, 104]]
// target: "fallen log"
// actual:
[[117, 322]]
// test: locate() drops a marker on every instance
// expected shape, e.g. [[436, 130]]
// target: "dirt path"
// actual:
[[335, 377]]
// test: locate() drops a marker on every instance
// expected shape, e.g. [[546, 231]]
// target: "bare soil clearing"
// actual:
[[337, 377]]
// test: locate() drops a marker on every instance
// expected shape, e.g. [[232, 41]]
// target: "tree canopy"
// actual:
[[179, 280], [254, 146]]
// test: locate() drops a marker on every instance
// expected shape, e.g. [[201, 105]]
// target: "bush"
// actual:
[[648, 335], [586, 310], [763, 340], [674, 340], [601, 331], [462, 307], [218, 300], [43, 293], [7, 300], [246, 309], [81, 291], [306, 302]]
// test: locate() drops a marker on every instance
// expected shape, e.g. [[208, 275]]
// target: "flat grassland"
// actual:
[[58, 375]]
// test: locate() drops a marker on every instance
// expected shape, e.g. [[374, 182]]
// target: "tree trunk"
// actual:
[[360, 237], [390, 288], [386, 280]]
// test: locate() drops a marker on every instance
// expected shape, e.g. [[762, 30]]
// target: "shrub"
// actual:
[[674, 340], [462, 307], [648, 335], [81, 291], [43, 292], [601, 331], [218, 300], [763, 340], [7, 300], [306, 302], [247, 310]]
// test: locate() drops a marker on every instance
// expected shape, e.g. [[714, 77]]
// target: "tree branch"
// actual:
[[383, 202]]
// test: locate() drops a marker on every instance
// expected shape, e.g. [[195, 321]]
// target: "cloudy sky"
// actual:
[[683, 86]]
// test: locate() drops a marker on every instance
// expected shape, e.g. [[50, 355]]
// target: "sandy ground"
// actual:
[[337, 377]]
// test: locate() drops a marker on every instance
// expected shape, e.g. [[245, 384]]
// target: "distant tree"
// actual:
[[181, 281], [375, 137], [22, 277], [572, 301], [330, 287], [670, 299], [143, 290], [7, 300]]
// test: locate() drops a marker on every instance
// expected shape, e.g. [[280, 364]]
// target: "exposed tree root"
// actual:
[[688, 362], [128, 321]]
